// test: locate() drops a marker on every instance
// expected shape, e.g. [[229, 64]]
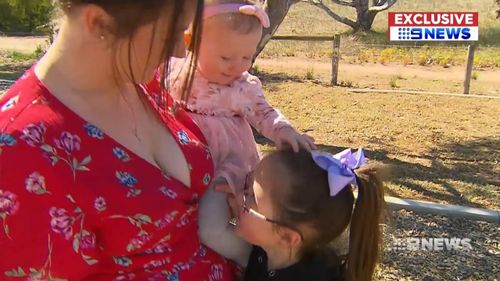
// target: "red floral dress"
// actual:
[[77, 205]]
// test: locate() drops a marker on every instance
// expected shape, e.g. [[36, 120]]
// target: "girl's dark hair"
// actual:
[[129, 15], [305, 201]]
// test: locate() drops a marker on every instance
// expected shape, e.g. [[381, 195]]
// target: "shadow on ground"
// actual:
[[10, 71], [475, 163], [280, 77]]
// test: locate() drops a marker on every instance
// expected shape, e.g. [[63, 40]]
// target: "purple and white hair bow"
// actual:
[[340, 167]]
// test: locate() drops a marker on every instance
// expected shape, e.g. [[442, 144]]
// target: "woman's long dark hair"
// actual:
[[129, 15]]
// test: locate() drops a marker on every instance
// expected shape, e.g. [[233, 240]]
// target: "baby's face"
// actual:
[[225, 53]]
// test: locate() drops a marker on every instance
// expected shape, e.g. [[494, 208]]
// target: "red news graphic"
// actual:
[[433, 26]]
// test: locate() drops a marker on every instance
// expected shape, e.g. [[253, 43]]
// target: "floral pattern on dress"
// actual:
[[183, 137], [35, 274], [100, 204], [121, 154], [168, 192], [62, 222], [142, 237], [34, 135], [129, 181], [93, 131], [88, 195], [35, 183], [8, 207], [6, 140]]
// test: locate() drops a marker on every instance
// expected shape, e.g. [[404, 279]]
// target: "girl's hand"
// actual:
[[288, 135]]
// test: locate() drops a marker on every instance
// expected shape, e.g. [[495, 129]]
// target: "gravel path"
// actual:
[[4, 85], [480, 261]]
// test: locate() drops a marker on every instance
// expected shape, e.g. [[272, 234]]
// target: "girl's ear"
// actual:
[[289, 237]]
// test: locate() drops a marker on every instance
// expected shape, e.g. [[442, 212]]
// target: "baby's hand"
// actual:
[[288, 135]]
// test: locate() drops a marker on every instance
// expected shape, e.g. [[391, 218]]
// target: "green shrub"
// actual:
[[26, 16]]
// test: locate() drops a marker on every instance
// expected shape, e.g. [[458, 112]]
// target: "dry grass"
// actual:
[[377, 76], [13, 64], [303, 19], [26, 44], [443, 149]]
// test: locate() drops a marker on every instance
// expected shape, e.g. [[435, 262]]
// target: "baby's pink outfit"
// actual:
[[225, 114]]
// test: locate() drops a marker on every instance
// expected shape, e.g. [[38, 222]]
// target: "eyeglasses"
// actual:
[[248, 194]]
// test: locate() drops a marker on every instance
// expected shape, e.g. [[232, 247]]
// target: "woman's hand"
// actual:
[[288, 135]]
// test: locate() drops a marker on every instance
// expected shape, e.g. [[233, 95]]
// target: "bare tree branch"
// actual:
[[344, 3], [332, 14], [382, 6], [498, 9]]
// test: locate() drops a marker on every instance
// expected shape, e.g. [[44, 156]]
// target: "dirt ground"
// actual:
[[21, 44], [378, 76]]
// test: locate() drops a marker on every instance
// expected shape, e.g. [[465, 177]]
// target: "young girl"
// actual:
[[296, 204], [225, 100]]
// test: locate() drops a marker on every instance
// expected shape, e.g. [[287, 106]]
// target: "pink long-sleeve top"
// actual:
[[225, 115]]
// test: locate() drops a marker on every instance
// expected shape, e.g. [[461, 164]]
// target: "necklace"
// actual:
[[135, 131]]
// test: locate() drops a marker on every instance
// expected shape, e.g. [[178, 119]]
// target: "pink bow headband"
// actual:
[[246, 9]]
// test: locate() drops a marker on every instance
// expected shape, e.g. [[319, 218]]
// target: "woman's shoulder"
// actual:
[[25, 104]]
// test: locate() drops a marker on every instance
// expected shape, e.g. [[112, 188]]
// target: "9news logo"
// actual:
[[433, 26]]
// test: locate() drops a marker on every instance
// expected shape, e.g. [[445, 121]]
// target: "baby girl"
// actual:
[[226, 101]]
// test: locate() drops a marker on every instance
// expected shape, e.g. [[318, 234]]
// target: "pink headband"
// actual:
[[250, 10]]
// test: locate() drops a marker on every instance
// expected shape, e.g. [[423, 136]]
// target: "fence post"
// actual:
[[335, 59], [468, 70]]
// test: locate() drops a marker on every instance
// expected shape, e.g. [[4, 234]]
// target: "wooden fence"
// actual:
[[335, 39], [335, 49]]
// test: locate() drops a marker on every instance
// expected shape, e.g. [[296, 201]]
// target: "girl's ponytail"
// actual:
[[365, 229]]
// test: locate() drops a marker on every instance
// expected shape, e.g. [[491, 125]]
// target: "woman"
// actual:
[[98, 179]]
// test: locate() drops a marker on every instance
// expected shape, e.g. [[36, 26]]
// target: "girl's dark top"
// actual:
[[312, 268]]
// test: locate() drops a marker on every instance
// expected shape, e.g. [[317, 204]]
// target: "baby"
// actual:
[[226, 101]]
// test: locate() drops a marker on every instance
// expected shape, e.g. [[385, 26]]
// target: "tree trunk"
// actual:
[[364, 17], [498, 9], [366, 21], [277, 10]]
